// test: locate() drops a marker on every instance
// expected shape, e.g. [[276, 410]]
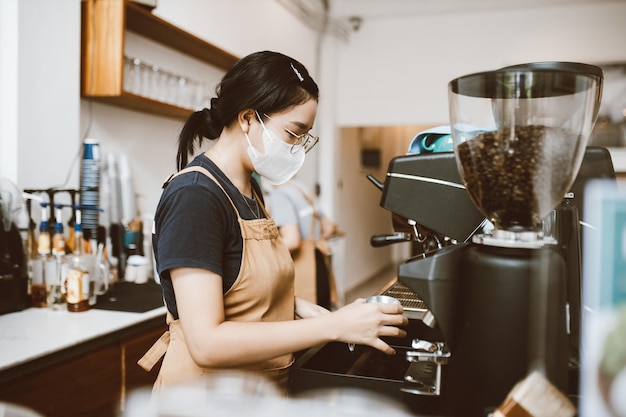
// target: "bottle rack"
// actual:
[[51, 193], [103, 24]]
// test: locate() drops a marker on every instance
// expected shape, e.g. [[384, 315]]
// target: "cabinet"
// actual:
[[87, 385], [90, 380], [103, 24]]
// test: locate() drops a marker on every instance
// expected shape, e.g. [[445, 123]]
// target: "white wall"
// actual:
[[396, 71], [8, 86], [48, 91]]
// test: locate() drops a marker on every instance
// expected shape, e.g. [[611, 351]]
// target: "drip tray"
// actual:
[[335, 365]]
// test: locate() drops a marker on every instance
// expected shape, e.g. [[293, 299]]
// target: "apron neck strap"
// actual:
[[202, 170]]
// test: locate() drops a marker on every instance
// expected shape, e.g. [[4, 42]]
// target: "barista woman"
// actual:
[[227, 277]]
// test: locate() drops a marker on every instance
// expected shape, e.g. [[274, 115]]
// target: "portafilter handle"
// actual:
[[384, 240], [423, 345], [376, 182], [426, 351]]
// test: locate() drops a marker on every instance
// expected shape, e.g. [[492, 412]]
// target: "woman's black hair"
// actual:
[[266, 81]]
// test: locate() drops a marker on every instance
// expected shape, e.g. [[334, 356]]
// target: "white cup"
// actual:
[[137, 269], [88, 263]]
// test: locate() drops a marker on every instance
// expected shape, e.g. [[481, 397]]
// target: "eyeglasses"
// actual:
[[305, 140]]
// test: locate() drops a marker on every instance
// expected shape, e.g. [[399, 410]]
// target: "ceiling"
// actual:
[[344, 16], [376, 9]]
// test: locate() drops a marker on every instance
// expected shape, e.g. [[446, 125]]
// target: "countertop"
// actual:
[[618, 156], [37, 332]]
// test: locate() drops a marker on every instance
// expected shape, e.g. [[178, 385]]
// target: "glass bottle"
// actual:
[[38, 285], [55, 273], [77, 278]]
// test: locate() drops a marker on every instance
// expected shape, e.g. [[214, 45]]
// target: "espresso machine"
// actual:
[[500, 298]]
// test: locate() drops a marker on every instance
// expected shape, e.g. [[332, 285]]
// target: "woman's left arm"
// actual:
[[306, 309]]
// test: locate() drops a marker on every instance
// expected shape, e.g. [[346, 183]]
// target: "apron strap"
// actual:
[[260, 203], [202, 170], [155, 353], [158, 349]]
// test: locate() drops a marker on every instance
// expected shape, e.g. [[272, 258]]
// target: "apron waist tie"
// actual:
[[155, 353]]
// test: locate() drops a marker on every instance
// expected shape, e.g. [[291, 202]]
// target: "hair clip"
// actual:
[[300, 77]]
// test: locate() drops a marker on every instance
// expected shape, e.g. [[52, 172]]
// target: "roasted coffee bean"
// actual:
[[517, 176]]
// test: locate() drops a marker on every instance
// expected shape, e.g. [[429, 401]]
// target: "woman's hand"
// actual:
[[365, 323], [329, 228], [306, 309], [290, 233]]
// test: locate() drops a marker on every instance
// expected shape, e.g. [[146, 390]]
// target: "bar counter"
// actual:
[[37, 332], [70, 364]]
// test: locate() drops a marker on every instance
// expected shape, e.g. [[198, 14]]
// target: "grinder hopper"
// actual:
[[520, 135]]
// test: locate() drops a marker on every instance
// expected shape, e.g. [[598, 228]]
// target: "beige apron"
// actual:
[[263, 291]]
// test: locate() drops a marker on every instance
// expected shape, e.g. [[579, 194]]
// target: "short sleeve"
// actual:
[[192, 230]]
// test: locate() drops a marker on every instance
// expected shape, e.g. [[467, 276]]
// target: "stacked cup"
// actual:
[[90, 186]]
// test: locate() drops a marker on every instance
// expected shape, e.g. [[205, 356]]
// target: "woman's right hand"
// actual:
[[364, 323]]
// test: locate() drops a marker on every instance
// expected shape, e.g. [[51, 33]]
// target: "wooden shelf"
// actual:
[[102, 52], [143, 104]]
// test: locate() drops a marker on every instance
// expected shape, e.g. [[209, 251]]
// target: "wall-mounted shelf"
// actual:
[[102, 53]]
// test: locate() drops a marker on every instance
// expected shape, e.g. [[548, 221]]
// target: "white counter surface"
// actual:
[[36, 332], [618, 156]]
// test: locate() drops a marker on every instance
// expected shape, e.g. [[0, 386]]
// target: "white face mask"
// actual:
[[277, 164]]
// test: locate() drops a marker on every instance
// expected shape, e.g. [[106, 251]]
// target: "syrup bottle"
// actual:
[[77, 278], [54, 280], [38, 286]]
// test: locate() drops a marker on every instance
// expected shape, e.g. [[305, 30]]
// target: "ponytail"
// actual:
[[199, 125]]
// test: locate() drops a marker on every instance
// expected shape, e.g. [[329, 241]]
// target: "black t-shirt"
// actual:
[[195, 226]]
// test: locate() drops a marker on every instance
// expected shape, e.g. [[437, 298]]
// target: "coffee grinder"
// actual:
[[499, 300]]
